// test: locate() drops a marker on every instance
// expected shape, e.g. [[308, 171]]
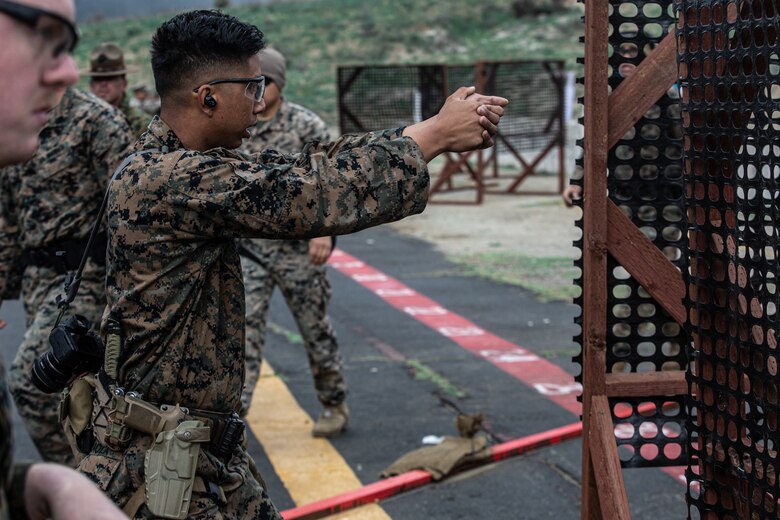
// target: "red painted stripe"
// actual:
[[536, 441], [547, 378], [413, 479], [360, 497]]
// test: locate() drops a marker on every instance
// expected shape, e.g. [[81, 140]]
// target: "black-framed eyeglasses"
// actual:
[[58, 33], [255, 87]]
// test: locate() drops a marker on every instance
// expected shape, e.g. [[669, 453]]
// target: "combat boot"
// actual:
[[332, 421]]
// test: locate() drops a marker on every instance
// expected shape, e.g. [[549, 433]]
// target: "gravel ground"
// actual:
[[521, 239]]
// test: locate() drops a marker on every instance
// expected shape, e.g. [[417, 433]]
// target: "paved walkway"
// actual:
[[404, 360]]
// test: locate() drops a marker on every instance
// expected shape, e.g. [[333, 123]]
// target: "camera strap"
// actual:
[[73, 281]]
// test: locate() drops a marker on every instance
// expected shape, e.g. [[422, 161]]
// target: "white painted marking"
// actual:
[[556, 389], [508, 356], [426, 311], [347, 265], [459, 332], [369, 277], [391, 293]]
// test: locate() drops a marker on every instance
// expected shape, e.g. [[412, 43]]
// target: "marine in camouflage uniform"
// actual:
[[50, 204], [107, 72], [174, 278], [286, 264], [138, 119]]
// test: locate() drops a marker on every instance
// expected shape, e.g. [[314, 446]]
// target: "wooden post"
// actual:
[[594, 310], [606, 230]]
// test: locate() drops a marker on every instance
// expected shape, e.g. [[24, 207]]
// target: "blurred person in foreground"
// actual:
[[36, 63], [47, 207], [176, 310]]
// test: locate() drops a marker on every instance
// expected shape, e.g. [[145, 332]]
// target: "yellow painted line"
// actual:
[[311, 469]]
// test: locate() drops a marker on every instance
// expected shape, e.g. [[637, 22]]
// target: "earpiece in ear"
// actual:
[[209, 101]]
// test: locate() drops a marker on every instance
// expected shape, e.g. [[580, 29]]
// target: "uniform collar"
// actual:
[[159, 135], [59, 114]]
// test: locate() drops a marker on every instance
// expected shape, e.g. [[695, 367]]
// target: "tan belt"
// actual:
[[119, 414]]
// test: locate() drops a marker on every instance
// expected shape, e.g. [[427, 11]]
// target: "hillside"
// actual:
[[317, 36], [92, 10]]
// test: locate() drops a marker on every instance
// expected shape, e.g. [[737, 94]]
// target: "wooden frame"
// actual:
[[484, 74], [486, 158], [608, 231]]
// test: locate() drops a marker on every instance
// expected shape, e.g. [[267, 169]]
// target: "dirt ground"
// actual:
[[520, 239]]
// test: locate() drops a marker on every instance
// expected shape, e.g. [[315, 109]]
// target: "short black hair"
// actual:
[[195, 41]]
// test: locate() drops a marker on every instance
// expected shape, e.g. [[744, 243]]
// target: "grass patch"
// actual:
[[316, 36], [550, 278], [422, 372], [287, 334]]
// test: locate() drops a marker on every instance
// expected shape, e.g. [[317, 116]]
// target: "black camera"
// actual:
[[75, 350]]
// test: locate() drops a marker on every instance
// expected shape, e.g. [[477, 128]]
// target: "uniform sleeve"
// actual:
[[315, 130], [11, 267], [111, 139], [330, 188]]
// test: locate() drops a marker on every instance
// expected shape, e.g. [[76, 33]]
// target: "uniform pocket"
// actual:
[[102, 470]]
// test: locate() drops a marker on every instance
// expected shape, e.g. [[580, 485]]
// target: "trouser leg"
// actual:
[[259, 287], [39, 410], [307, 291]]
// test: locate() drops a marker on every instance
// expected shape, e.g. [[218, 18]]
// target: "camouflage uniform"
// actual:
[[52, 199], [6, 446], [285, 263], [11, 476], [138, 119], [174, 278]]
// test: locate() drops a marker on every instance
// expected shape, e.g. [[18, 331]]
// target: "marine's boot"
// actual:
[[332, 421]]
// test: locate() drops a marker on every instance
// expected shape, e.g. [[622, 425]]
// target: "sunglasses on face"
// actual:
[[255, 87], [58, 33]]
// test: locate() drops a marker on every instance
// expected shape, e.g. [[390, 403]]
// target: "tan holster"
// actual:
[[169, 469], [117, 415]]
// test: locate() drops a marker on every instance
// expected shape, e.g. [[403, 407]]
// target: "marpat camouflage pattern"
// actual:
[[174, 276], [286, 264], [52, 199]]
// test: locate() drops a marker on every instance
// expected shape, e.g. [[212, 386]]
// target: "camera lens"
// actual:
[[74, 351], [45, 375]]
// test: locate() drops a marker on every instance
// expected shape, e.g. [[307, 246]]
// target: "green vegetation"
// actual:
[[317, 36], [550, 278], [423, 372], [290, 336]]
